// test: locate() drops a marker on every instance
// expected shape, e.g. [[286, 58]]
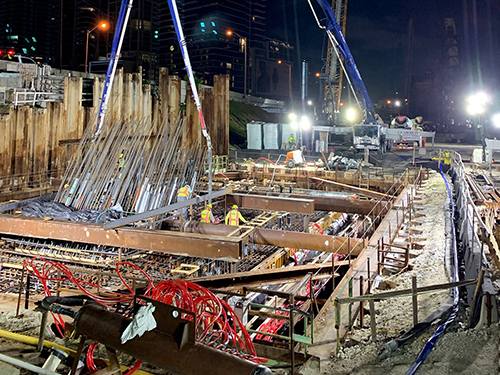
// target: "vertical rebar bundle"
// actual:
[[136, 164]]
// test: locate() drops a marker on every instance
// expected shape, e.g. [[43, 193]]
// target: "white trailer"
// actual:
[[408, 137]]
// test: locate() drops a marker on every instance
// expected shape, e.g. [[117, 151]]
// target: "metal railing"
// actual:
[[32, 97]]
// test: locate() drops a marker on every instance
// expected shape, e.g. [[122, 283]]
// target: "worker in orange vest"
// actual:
[[234, 216], [207, 216]]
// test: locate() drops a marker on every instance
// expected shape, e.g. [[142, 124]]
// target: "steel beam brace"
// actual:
[[261, 202], [338, 204], [296, 240], [268, 276], [162, 210], [195, 245]]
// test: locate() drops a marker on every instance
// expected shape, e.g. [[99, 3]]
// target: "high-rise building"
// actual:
[[79, 18], [215, 51], [30, 28], [141, 42], [169, 54]]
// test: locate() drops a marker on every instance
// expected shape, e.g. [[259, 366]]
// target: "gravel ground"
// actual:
[[458, 351]]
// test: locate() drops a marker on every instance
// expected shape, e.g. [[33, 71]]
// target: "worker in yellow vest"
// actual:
[[182, 195], [207, 216], [121, 162], [292, 141], [234, 216]]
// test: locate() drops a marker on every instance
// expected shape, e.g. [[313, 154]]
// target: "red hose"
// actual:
[[216, 322]]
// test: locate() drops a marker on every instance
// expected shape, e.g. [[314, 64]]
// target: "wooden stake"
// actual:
[[414, 299], [480, 279], [361, 304], [372, 320]]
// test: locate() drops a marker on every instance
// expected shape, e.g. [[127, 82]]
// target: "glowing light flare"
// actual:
[[496, 120], [351, 114], [292, 117], [476, 103], [305, 124]]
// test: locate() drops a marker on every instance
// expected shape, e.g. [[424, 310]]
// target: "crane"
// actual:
[[371, 133], [333, 71]]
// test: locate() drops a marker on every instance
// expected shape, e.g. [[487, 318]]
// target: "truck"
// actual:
[[371, 137], [401, 122], [405, 132]]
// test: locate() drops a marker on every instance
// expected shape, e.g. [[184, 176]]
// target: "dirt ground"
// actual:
[[458, 351]]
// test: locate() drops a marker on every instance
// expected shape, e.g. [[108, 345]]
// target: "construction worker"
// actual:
[[207, 216], [234, 216], [183, 195], [121, 162], [292, 141]]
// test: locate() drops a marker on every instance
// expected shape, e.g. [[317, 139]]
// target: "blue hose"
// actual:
[[429, 345]]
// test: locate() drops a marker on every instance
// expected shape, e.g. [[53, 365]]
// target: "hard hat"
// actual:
[[210, 205], [235, 206]]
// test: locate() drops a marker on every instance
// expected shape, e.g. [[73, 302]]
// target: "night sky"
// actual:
[[377, 36]]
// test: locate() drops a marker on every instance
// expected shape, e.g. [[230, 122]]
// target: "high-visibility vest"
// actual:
[[205, 216], [183, 192], [234, 217], [291, 140]]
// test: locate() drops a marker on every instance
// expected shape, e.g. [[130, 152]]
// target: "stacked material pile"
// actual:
[[132, 166]]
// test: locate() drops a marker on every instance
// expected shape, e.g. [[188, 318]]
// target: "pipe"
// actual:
[[162, 349], [25, 365], [296, 240], [34, 341], [49, 344]]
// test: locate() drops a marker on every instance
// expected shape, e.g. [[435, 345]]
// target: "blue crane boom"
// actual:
[[334, 32], [120, 28]]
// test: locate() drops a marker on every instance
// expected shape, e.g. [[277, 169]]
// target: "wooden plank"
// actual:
[[221, 114], [174, 99], [163, 93], [6, 146], [40, 144]]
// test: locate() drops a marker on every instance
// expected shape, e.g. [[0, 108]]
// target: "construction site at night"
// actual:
[[134, 238]]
